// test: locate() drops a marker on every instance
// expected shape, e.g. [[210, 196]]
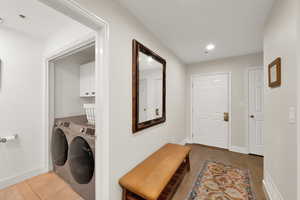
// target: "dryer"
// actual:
[[82, 160]]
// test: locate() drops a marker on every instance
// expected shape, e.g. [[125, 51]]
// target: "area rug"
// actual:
[[218, 181]]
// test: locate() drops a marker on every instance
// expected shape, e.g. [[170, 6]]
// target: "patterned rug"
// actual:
[[218, 181]]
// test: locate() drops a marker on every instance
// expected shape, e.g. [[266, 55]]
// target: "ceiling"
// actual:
[[41, 21], [187, 26], [81, 56]]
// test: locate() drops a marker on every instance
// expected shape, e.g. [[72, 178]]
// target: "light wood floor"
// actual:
[[201, 153], [44, 187]]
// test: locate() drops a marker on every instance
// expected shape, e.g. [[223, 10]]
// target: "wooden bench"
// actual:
[[157, 177]]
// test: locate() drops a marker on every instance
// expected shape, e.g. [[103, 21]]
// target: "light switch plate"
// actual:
[[292, 115]]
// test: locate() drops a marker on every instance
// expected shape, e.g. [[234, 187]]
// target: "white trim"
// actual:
[[229, 110], [266, 190], [189, 140], [184, 141], [270, 188], [21, 177], [72, 47], [75, 11], [193, 76], [247, 127], [238, 149]]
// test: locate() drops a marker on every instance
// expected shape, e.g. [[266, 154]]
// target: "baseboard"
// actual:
[[185, 141], [270, 188], [238, 149], [6, 182], [189, 141], [266, 190]]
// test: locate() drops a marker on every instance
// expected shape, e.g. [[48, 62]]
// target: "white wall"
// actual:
[[280, 167], [67, 86], [22, 98], [237, 66], [126, 149], [298, 103], [20, 105]]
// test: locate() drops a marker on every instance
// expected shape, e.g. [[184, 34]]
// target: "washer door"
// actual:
[[59, 147], [81, 160]]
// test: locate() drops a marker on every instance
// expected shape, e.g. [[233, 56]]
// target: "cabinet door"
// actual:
[[85, 81]]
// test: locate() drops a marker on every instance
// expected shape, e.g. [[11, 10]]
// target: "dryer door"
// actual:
[[59, 147], [81, 160]]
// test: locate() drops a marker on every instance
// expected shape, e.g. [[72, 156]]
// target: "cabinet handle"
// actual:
[[86, 93]]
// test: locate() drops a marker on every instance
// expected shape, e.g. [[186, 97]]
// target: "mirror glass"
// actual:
[[150, 88]]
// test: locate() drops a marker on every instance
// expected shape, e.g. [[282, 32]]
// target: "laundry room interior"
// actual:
[[74, 83], [47, 76], [72, 90]]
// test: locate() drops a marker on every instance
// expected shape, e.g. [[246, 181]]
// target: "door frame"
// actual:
[[192, 78], [101, 37], [247, 114]]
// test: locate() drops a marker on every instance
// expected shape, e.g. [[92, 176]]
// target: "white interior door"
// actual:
[[256, 112], [158, 98], [143, 103], [210, 102]]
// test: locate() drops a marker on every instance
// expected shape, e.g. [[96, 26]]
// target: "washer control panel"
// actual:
[[88, 131]]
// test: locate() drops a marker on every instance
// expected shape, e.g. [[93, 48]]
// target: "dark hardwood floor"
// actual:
[[201, 153]]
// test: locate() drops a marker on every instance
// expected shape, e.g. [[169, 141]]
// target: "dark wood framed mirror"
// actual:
[[148, 88], [275, 73]]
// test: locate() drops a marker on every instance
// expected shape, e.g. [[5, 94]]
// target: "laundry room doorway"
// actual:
[[72, 134], [99, 91]]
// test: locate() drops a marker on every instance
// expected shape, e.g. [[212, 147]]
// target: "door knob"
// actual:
[[251, 116], [157, 111], [226, 116]]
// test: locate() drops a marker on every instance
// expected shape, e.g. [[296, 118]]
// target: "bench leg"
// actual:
[[124, 195], [188, 162]]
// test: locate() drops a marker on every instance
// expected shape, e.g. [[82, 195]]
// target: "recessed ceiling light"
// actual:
[[210, 47], [150, 59]]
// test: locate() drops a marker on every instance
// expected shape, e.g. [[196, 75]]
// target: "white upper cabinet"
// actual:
[[87, 80]]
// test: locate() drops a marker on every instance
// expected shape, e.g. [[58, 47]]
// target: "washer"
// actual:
[[79, 169], [60, 143]]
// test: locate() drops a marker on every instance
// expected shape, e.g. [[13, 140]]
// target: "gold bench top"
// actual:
[[149, 178]]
